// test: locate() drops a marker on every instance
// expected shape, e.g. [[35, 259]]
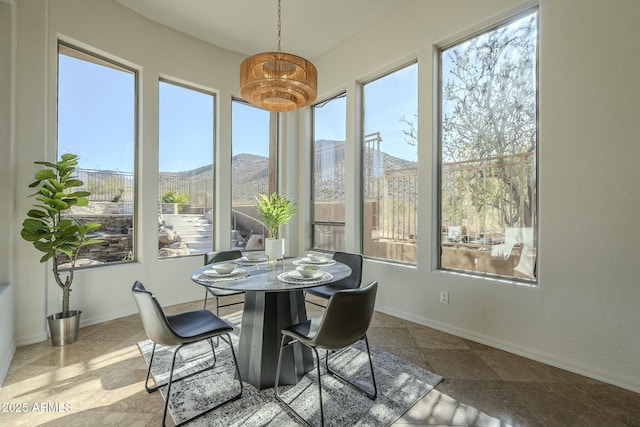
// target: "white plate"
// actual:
[[295, 274], [245, 259], [308, 261], [213, 273]]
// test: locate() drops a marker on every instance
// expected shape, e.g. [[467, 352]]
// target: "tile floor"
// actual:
[[99, 380]]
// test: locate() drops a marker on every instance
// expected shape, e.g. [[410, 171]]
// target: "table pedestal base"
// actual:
[[265, 315]]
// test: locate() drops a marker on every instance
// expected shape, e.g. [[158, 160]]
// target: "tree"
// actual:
[[489, 112], [46, 227]]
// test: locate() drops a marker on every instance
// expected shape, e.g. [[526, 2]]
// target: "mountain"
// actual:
[[250, 172], [250, 177]]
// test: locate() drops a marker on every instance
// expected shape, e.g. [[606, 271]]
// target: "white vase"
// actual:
[[274, 248]]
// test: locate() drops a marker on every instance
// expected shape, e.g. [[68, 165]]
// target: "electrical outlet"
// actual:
[[444, 297]]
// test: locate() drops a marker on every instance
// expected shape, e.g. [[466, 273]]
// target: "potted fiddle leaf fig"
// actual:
[[275, 210], [59, 237]]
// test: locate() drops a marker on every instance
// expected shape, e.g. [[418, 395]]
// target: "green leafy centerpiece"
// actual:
[[275, 210]]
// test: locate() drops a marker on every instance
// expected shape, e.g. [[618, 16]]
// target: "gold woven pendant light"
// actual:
[[278, 81]]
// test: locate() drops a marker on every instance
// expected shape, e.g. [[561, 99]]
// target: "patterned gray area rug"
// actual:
[[400, 386]]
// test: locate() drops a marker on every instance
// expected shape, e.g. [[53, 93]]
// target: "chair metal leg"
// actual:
[[217, 314], [231, 399], [370, 395], [159, 386], [146, 382], [319, 386], [235, 362], [166, 401], [206, 295], [213, 351], [315, 303], [277, 392]]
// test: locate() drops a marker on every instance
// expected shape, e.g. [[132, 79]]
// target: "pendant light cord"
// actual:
[[279, 25], [278, 81]]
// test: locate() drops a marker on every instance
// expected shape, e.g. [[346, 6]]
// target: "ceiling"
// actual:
[[309, 27]]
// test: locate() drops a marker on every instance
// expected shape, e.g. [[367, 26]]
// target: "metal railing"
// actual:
[[481, 197], [390, 195], [395, 205], [115, 186], [329, 173], [107, 186]]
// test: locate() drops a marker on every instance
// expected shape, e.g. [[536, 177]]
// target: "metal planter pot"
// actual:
[[64, 330]]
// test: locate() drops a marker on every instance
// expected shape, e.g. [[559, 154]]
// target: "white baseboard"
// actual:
[[6, 363], [88, 321], [31, 339], [529, 353]]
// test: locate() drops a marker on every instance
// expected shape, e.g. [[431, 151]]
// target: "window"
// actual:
[[488, 145], [252, 172], [327, 178], [390, 166], [97, 121], [185, 181]]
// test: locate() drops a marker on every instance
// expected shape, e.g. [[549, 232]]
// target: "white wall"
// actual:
[[7, 335], [114, 31], [7, 61], [584, 315]]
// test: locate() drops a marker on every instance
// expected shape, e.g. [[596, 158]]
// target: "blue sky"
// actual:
[[330, 120], [186, 128], [249, 129], [96, 110], [96, 114], [386, 101]]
